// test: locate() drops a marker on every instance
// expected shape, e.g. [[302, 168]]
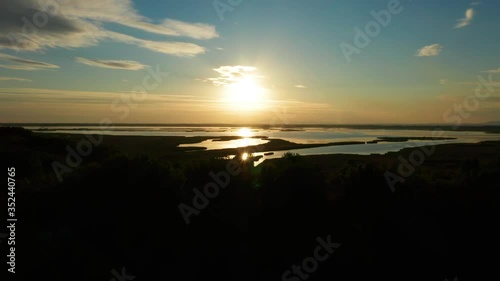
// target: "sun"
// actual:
[[245, 94]]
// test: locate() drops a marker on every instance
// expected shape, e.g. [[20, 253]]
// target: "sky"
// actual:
[[249, 61]]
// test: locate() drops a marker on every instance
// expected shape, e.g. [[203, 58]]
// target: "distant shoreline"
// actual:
[[169, 145], [488, 128]]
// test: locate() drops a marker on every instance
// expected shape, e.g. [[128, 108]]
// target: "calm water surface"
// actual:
[[252, 136]]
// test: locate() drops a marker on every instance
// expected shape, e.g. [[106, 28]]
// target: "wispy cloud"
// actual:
[[83, 97], [475, 83], [43, 105], [493, 71], [24, 64], [113, 64], [79, 23], [123, 12], [60, 30], [429, 51], [14, 79], [231, 74], [300, 86], [180, 49], [469, 16], [179, 28]]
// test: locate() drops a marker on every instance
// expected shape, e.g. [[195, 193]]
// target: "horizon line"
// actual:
[[490, 123]]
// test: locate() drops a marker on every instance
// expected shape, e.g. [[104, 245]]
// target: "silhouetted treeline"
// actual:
[[117, 210]]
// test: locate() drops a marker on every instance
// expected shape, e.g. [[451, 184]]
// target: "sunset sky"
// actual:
[[262, 61]]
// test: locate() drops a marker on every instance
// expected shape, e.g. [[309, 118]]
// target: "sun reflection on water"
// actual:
[[245, 133], [244, 156]]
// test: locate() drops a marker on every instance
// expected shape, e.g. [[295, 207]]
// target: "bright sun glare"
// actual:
[[244, 156], [245, 94], [245, 132]]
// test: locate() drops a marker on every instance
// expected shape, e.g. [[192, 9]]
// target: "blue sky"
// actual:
[[248, 63]]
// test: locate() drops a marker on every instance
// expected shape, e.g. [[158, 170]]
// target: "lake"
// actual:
[[251, 136]]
